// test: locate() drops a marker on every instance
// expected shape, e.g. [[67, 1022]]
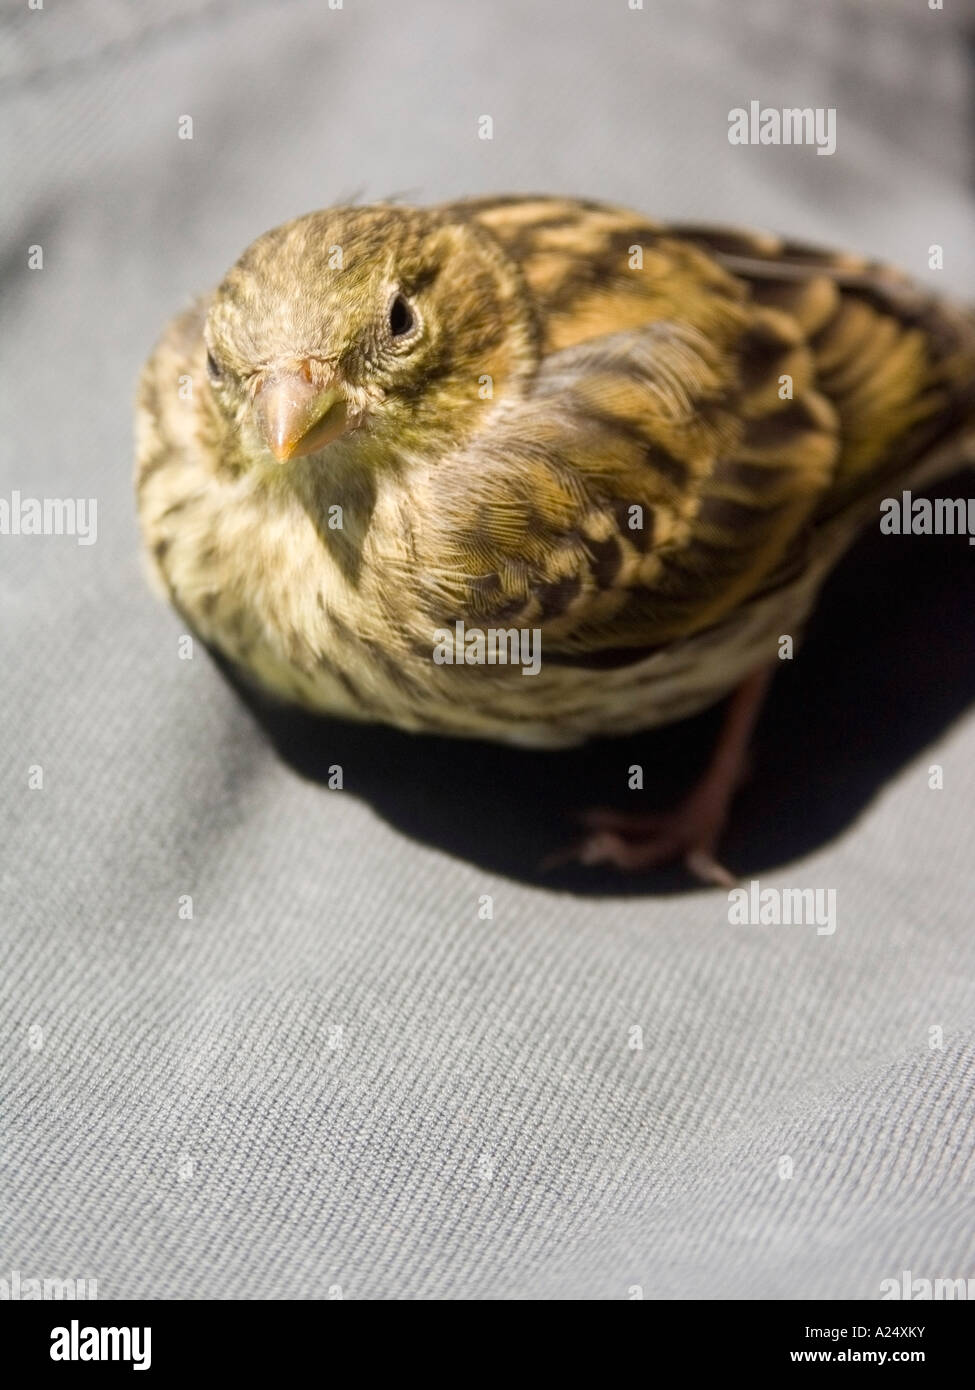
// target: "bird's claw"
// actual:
[[633, 843]]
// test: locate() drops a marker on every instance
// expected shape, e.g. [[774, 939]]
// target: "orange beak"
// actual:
[[297, 418]]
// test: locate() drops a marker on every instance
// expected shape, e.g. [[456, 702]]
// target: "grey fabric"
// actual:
[[338, 1077]]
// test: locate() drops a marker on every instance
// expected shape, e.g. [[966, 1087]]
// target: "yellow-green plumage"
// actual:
[[749, 400]]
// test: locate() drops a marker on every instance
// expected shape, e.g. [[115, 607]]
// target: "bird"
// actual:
[[643, 443]]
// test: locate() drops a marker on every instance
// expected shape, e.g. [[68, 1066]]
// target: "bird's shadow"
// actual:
[[888, 662]]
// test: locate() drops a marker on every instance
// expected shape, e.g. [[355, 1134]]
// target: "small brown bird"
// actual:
[[640, 446]]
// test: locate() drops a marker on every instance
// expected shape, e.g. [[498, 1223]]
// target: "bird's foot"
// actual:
[[692, 830], [633, 842]]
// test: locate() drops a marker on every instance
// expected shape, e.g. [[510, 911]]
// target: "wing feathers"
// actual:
[[687, 502], [760, 384]]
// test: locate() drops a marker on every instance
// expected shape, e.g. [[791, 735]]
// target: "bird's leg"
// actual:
[[691, 831]]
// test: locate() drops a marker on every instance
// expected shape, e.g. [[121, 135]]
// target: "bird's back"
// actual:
[[896, 362]]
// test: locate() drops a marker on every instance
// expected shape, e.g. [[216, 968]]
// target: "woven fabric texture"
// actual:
[[340, 1076]]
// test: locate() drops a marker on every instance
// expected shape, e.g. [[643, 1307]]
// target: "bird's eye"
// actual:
[[214, 369], [401, 318]]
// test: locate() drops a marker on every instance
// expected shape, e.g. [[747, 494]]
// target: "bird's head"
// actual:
[[383, 327]]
